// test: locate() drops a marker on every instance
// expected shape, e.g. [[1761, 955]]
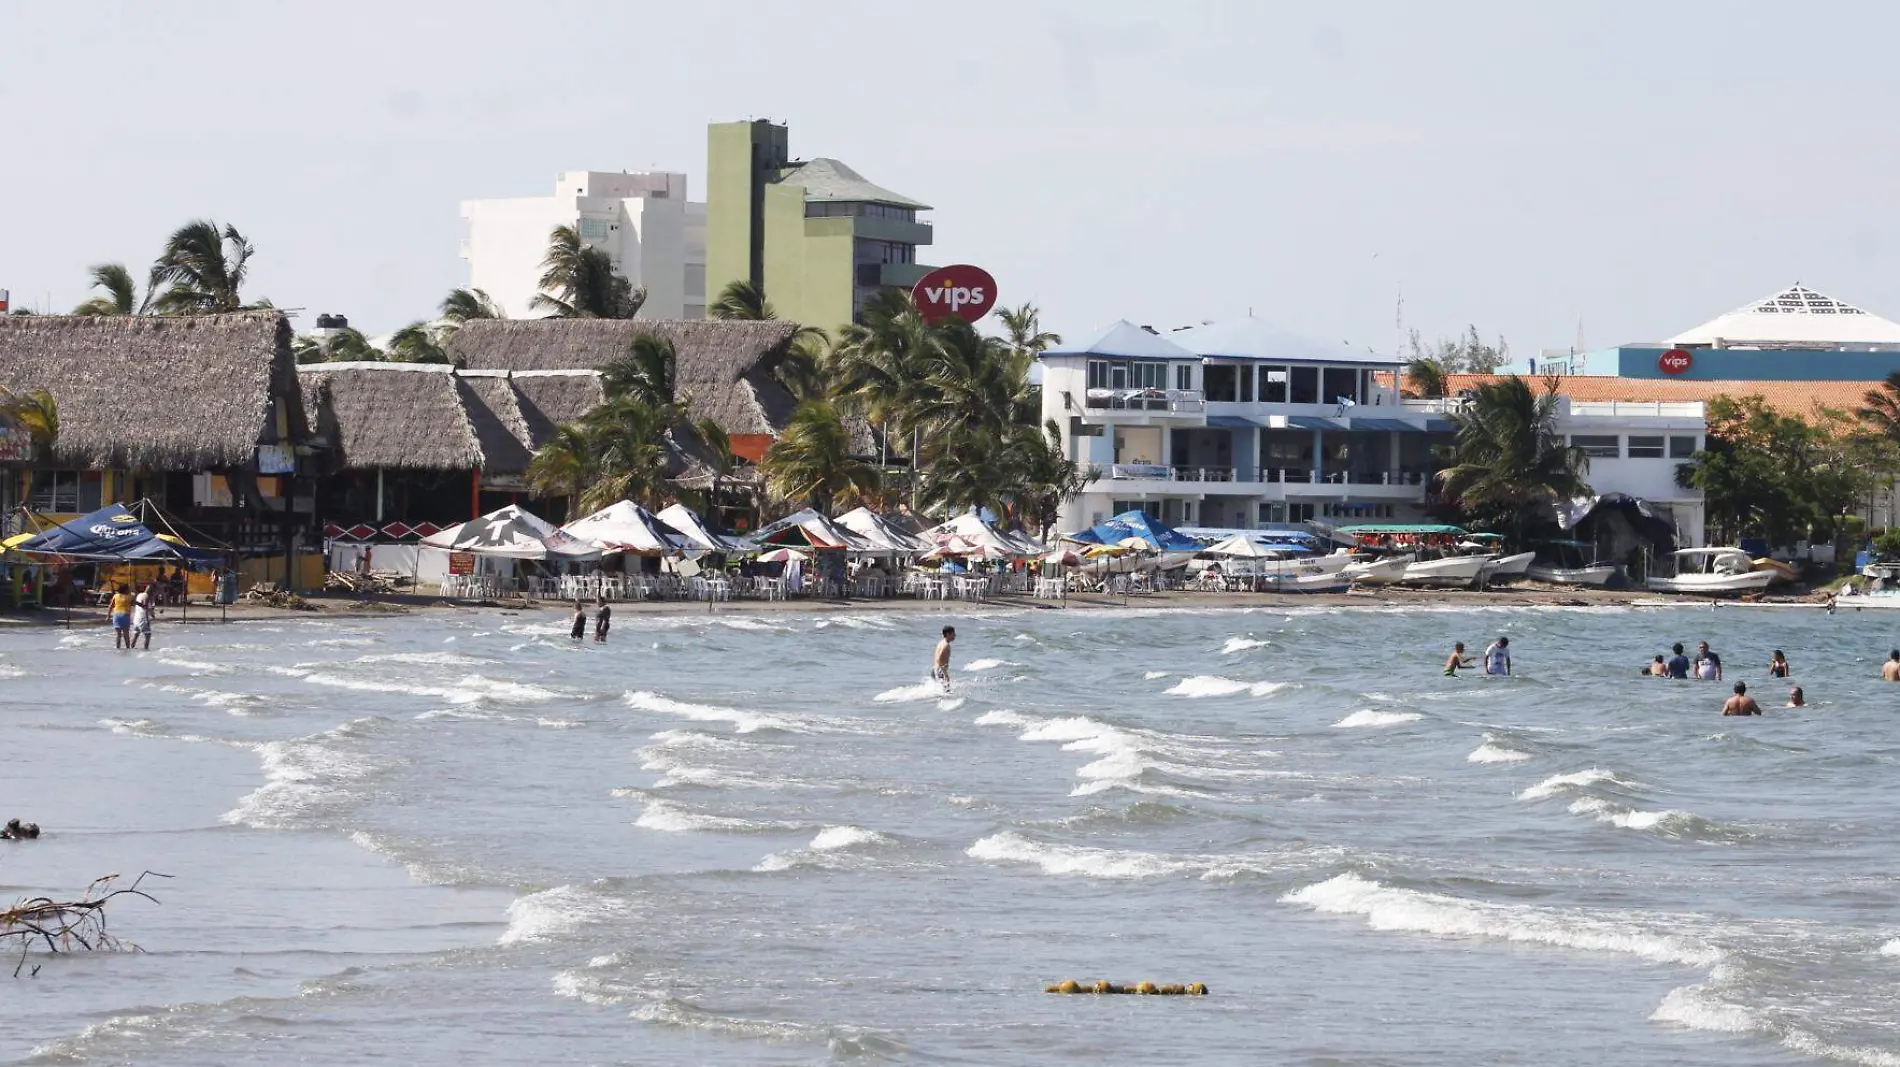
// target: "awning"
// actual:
[[1311, 422], [1230, 422], [1386, 425]]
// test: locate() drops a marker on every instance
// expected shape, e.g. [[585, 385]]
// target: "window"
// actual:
[[1098, 374], [593, 229], [1305, 385], [1339, 382], [1184, 375], [1597, 446], [1299, 513], [66, 491], [1219, 381], [1646, 447], [1246, 377], [1273, 385], [1273, 513], [1681, 447]]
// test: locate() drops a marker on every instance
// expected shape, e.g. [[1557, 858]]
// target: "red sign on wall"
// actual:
[[1675, 361], [959, 291]]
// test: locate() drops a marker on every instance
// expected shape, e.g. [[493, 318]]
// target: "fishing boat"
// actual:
[[1445, 570], [1512, 566], [1567, 565], [1314, 581], [1384, 570], [1883, 589], [1713, 572]]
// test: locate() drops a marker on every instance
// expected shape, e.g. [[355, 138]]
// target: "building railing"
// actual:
[[1172, 400], [1680, 409], [1161, 472]]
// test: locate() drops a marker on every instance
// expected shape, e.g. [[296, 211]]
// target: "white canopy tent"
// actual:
[[1240, 546], [809, 529], [626, 527], [512, 533], [687, 522], [972, 529], [880, 531]]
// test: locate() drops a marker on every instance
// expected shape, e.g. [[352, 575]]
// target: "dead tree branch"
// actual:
[[64, 925]]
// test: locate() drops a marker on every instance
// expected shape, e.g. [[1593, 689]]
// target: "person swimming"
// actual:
[[1741, 703], [1708, 665], [1457, 659], [1795, 699], [1890, 671]]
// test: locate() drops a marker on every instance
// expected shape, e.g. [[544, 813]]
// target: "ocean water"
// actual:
[[741, 839]]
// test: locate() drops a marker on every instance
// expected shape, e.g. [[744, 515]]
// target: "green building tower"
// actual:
[[813, 234]]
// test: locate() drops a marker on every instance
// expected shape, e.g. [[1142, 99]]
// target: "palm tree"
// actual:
[[418, 342], [1425, 378], [1881, 409], [811, 462], [36, 412], [1509, 457], [878, 368], [719, 458], [741, 300], [122, 293], [628, 440], [563, 466], [647, 372], [464, 305], [580, 282], [202, 270], [1023, 332], [347, 346]]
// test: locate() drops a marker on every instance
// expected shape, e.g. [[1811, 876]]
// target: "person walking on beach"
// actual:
[[940, 662], [1708, 665], [580, 621], [1890, 670], [1678, 663], [1795, 699], [603, 618], [1456, 660], [1741, 703], [144, 606], [121, 615], [1497, 658], [1778, 665]]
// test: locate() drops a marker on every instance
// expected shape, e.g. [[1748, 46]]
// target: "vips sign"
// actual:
[[1675, 361], [958, 291]]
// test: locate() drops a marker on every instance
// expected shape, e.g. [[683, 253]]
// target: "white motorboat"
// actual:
[[1307, 582], [1385, 570], [1514, 566], [1598, 575], [1445, 570], [1714, 572]]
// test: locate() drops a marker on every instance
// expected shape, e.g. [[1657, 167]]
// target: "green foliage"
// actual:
[[580, 282], [36, 412], [741, 300], [1887, 546], [1509, 462], [201, 271], [1779, 477], [121, 292], [1425, 378], [647, 372], [1467, 354], [811, 463], [465, 305]]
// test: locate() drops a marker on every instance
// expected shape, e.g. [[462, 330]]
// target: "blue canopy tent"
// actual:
[[111, 533], [1159, 536]]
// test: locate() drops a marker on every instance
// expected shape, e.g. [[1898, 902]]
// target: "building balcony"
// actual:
[[1171, 401], [1256, 479]]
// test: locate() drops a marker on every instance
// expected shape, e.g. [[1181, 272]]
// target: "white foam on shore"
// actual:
[[195, 666], [988, 664], [906, 694], [1010, 847], [433, 659], [552, 913], [1412, 911], [1495, 751], [129, 726], [1558, 784], [1368, 717], [1208, 685], [1705, 1007], [1240, 644], [671, 818], [365, 685], [301, 776], [836, 837], [744, 722], [1891, 948]]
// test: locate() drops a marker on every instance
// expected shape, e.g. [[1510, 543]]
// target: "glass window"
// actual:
[[593, 229], [1246, 377], [1273, 385], [1218, 380], [1339, 382], [1646, 447], [1605, 446], [1098, 374], [1299, 512], [56, 491], [1305, 384], [91, 485], [1184, 375], [1681, 447]]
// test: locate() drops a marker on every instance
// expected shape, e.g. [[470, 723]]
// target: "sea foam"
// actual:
[[1495, 751], [1368, 717], [1073, 859], [744, 722], [1558, 784], [1208, 685], [1240, 644]]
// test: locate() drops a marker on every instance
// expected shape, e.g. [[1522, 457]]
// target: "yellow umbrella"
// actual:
[[17, 540]]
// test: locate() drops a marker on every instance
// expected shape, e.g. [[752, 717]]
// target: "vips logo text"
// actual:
[[1675, 361], [959, 291]]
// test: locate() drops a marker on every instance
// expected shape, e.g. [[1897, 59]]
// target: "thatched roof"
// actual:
[[183, 393], [499, 424], [397, 416], [724, 369], [552, 398]]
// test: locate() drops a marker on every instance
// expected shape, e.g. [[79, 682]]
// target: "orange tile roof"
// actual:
[[1789, 398]]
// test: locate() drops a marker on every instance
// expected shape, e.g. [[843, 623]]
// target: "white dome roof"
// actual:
[[1795, 316]]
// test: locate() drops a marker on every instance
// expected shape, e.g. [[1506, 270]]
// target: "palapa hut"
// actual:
[[202, 415]]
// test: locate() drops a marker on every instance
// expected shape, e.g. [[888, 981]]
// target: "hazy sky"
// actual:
[[1523, 166]]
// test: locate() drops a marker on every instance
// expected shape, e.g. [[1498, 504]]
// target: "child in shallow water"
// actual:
[[580, 621]]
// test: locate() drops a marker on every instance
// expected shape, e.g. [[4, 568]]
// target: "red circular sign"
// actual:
[[1675, 361], [958, 291]]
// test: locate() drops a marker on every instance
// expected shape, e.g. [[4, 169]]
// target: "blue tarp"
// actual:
[[1159, 535], [112, 532]]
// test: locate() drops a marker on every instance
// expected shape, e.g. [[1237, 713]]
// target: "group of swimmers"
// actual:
[[1497, 659]]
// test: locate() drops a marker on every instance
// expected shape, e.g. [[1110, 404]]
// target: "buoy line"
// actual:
[[1148, 989]]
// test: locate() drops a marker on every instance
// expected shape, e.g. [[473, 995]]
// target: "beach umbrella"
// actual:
[[511, 533], [1063, 557], [1243, 547], [687, 522], [626, 527], [783, 555]]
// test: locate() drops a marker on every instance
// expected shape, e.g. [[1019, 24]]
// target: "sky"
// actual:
[[1603, 172]]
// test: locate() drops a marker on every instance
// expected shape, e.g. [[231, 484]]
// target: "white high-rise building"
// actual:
[[642, 220]]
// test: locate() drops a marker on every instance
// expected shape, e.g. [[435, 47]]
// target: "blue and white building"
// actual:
[[1241, 425]]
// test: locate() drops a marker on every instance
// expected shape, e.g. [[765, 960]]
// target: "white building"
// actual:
[[642, 220], [1237, 424]]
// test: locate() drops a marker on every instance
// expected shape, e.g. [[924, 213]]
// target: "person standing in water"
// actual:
[[144, 606], [121, 615], [1708, 665], [1778, 665], [1796, 699], [580, 621], [603, 618], [940, 662], [1657, 668], [1741, 703], [1497, 658], [1456, 660], [1890, 671], [1678, 663]]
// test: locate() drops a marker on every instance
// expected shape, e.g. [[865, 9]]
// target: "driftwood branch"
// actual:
[[68, 925]]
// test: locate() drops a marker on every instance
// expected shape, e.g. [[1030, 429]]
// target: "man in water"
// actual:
[[603, 618], [1890, 670], [940, 664], [1678, 663], [1456, 660], [1497, 658], [144, 606], [580, 621], [1708, 665], [1795, 699], [1741, 703], [121, 613], [1657, 668]]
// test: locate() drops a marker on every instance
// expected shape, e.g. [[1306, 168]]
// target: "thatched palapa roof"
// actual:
[[397, 416], [157, 393], [724, 367]]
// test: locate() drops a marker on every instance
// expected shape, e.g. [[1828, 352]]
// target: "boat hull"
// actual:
[[1378, 572], [1598, 576], [1509, 566], [1713, 584], [1452, 570]]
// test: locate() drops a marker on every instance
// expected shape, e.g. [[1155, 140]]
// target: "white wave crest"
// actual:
[[552, 913], [1208, 685], [1558, 784], [905, 694], [835, 837], [988, 664], [1003, 718], [1394, 909], [1495, 751], [1011, 847], [659, 815], [1703, 1007], [1368, 717], [1891, 948], [744, 722], [302, 776], [195, 666], [1240, 644], [1628, 818]]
